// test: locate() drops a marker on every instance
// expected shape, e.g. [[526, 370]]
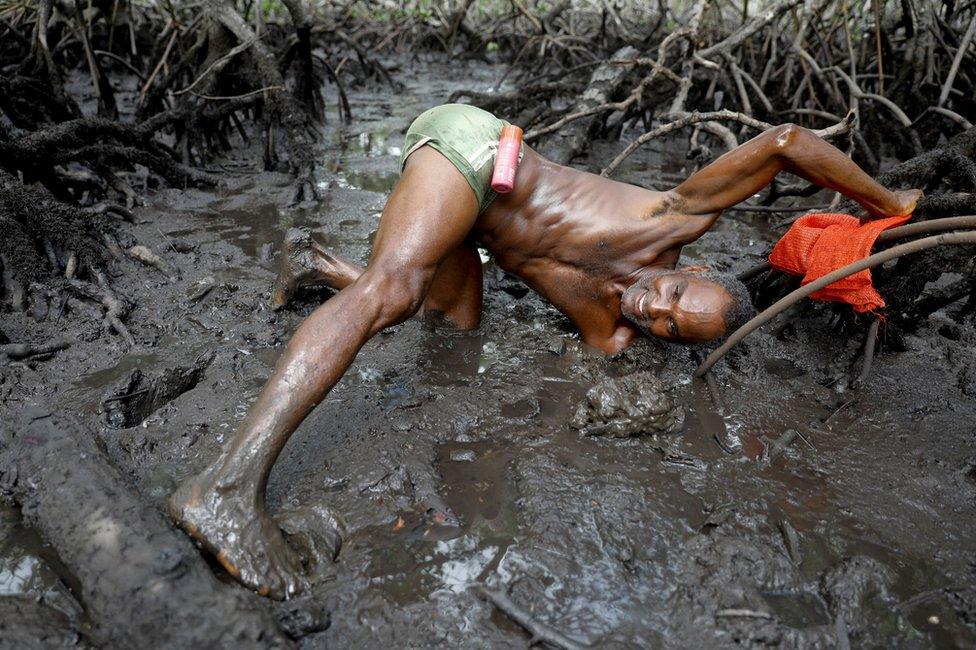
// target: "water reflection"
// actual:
[[25, 566]]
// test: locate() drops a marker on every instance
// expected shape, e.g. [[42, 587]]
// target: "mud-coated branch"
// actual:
[[539, 631], [143, 584]]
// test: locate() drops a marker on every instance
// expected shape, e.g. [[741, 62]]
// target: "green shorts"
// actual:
[[465, 135]]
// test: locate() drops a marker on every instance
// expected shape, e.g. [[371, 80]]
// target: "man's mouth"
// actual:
[[640, 303]]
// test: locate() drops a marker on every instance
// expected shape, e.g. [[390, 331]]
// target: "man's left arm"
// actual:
[[743, 172]]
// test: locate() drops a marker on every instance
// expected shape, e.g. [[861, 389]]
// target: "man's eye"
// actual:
[[672, 327], [678, 290]]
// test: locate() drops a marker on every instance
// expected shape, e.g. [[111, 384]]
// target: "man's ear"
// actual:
[[698, 268]]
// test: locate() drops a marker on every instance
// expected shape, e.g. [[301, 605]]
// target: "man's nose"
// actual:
[[657, 306]]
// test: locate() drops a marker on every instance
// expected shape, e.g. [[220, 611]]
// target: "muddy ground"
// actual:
[[858, 533]]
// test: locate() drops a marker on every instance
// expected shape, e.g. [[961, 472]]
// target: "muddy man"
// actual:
[[603, 252]]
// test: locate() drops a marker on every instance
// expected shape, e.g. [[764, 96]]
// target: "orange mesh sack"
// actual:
[[817, 244]]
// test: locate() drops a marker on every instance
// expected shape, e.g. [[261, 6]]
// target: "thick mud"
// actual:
[[463, 459]]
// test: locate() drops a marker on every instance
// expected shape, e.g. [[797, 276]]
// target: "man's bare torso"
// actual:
[[579, 239]]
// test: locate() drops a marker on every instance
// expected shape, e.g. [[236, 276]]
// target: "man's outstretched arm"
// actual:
[[743, 172]]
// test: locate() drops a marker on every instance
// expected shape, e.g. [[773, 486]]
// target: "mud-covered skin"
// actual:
[[222, 517], [628, 406], [268, 564]]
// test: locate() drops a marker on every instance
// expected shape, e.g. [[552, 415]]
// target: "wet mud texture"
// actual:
[[454, 460]]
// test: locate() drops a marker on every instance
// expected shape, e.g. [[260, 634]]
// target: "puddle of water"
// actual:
[[381, 182], [27, 566]]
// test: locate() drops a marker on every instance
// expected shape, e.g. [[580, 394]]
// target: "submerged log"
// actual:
[[143, 584]]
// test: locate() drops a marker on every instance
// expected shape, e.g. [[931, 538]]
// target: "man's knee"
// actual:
[[786, 135], [398, 292]]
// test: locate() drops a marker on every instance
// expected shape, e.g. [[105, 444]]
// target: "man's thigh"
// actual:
[[429, 214]]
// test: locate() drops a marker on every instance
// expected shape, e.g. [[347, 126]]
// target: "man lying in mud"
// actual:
[[602, 252]]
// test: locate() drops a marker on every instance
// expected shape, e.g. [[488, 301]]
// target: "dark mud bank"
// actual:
[[461, 459]]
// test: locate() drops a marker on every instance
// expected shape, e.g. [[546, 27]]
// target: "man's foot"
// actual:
[[297, 267], [903, 203], [243, 538], [906, 200]]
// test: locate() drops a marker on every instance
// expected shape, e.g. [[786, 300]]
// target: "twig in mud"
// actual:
[[24, 350], [837, 411], [146, 256], [772, 449], [791, 540], [539, 631], [742, 613], [115, 309], [869, 344], [953, 239], [806, 440]]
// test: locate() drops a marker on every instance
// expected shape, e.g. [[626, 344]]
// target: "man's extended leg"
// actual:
[[430, 213], [744, 171]]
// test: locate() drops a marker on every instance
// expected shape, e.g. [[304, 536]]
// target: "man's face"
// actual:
[[677, 306]]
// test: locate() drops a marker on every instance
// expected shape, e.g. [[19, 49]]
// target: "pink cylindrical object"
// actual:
[[506, 159]]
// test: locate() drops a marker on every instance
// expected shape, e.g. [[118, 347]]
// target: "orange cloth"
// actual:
[[817, 244]]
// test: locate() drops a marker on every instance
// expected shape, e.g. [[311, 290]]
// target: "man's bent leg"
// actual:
[[744, 171], [454, 298], [429, 214]]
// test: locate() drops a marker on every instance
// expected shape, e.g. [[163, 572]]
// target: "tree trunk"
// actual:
[[143, 583]]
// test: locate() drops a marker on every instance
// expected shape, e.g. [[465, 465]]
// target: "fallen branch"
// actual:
[[539, 631], [901, 232], [143, 584], [24, 350], [146, 256]]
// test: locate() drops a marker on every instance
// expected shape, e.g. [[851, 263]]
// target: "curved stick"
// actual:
[[925, 227], [869, 344], [841, 273], [917, 228]]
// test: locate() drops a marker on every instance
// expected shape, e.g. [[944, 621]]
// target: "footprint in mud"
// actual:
[[316, 531], [628, 406]]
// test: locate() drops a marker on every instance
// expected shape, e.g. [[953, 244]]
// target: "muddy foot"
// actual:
[[297, 267], [243, 538]]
